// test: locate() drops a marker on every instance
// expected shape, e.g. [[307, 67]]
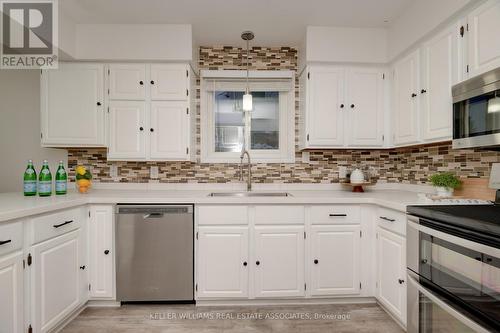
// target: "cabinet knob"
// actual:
[[141, 128], [257, 263], [106, 252], [245, 263], [82, 267], [423, 91], [152, 82], [413, 95], [141, 82], [352, 106], [401, 281], [151, 129], [316, 261], [341, 106], [99, 104]]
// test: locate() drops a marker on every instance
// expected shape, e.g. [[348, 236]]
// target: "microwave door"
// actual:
[[429, 312]]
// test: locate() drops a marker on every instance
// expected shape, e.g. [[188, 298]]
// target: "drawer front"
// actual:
[[222, 215], [11, 236], [279, 214], [392, 220], [335, 214], [52, 225]]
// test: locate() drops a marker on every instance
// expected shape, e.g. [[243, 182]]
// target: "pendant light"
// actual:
[[494, 104], [247, 97]]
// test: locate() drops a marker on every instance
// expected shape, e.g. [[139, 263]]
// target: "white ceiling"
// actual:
[[220, 22]]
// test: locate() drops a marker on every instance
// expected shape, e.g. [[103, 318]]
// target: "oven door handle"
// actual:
[[451, 311]]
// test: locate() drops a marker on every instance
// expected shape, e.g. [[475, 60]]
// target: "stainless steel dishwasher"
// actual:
[[154, 253]]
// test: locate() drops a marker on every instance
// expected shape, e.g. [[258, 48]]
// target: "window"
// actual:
[[267, 132]]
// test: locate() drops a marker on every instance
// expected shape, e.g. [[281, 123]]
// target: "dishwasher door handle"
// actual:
[[153, 216]]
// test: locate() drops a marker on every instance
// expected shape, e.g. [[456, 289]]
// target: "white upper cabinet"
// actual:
[[405, 100], [12, 293], [127, 81], [335, 260], [484, 32], [168, 130], [279, 261], [72, 106], [440, 70], [127, 130], [325, 100], [223, 263], [169, 82], [343, 107], [365, 106]]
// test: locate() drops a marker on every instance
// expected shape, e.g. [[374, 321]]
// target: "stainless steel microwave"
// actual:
[[476, 111]]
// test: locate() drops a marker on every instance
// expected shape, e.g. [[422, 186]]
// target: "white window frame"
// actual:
[[286, 151]]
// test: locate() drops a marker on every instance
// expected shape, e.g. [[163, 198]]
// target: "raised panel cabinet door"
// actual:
[[127, 81], [391, 272], [222, 264], [365, 106], [279, 261], [11, 293], [406, 104], [72, 106], [169, 82], [128, 130], [335, 260], [484, 29], [101, 263], [440, 72], [169, 130], [55, 281], [325, 109]]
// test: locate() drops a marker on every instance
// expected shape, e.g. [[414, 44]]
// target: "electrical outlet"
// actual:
[[305, 157], [153, 172], [342, 172], [113, 171]]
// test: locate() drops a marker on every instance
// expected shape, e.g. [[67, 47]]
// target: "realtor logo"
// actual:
[[29, 36]]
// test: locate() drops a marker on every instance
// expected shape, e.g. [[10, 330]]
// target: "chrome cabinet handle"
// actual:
[[61, 224], [387, 219]]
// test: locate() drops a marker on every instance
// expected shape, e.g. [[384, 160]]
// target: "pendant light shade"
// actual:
[[247, 97]]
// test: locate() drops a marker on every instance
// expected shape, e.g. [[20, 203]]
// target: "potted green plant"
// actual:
[[445, 183]]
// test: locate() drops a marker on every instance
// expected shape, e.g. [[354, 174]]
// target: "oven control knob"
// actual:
[[424, 261], [401, 281]]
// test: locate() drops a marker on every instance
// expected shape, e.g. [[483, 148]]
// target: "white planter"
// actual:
[[444, 191]]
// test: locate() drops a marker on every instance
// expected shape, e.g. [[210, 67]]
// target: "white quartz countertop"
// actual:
[[15, 205]]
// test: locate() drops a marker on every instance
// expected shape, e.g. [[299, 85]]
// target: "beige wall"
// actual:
[[20, 128]]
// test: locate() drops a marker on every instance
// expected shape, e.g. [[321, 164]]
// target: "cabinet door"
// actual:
[[279, 261], [169, 138], [391, 272], [127, 130], [484, 29], [365, 106], [55, 280], [334, 260], [406, 81], [72, 106], [11, 293], [169, 82], [101, 252], [127, 82], [325, 119], [222, 266], [440, 72]]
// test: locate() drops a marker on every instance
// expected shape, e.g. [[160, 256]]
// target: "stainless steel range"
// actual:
[[453, 259]]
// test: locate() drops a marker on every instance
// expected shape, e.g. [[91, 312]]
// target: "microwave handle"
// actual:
[[448, 309]]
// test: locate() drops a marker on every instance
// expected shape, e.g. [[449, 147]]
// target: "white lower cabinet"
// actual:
[[58, 278], [279, 261], [101, 252], [11, 293], [391, 272], [334, 260], [222, 265]]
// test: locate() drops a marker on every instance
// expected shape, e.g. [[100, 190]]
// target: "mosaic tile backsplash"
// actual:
[[407, 165]]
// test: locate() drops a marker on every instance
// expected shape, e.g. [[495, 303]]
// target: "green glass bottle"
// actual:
[[30, 180], [45, 181], [61, 180]]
